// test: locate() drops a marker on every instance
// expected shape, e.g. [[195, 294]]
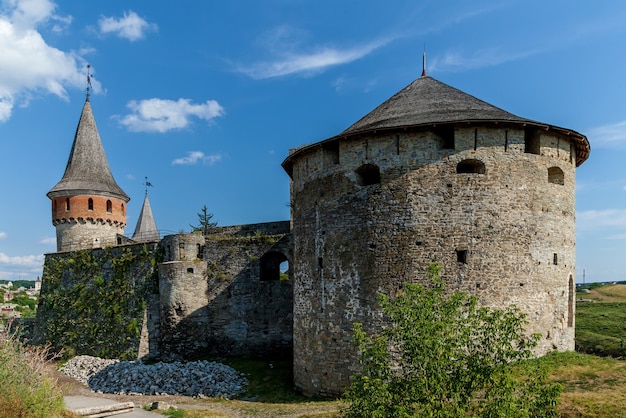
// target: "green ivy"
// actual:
[[92, 301]]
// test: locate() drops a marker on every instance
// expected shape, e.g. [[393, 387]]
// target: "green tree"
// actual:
[[443, 355], [204, 221]]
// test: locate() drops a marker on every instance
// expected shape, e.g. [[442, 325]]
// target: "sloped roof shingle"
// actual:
[[87, 169]]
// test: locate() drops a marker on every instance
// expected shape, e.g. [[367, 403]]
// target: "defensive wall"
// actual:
[[186, 296]]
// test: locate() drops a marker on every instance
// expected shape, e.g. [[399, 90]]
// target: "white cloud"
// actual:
[[488, 57], [611, 219], [194, 157], [3, 235], [160, 115], [28, 64], [284, 43], [132, 26], [608, 136], [48, 240], [23, 261]]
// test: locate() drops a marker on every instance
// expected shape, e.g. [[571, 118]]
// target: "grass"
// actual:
[[601, 324], [26, 390]]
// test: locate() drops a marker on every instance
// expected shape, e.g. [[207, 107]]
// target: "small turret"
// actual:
[[146, 229], [88, 206]]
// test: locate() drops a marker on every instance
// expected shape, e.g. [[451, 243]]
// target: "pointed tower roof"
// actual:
[[428, 102], [146, 229], [87, 169]]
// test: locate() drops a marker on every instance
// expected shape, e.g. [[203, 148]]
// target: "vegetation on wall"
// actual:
[[92, 301]]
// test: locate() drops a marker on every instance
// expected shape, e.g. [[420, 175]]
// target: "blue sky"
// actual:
[[205, 98]]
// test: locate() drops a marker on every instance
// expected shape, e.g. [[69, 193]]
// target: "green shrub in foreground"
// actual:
[[443, 355], [25, 390]]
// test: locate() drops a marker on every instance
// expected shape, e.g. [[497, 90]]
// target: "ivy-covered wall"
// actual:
[[93, 301], [186, 297]]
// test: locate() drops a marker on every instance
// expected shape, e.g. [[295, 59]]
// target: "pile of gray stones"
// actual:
[[197, 378]]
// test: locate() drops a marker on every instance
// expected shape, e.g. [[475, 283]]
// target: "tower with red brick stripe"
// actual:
[[88, 206]]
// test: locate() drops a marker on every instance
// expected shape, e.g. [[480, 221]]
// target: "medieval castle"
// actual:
[[432, 174]]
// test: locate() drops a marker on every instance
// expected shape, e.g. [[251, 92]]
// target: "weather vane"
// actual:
[[147, 184], [89, 87]]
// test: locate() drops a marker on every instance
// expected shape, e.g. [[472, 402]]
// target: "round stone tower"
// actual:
[[88, 207], [431, 175]]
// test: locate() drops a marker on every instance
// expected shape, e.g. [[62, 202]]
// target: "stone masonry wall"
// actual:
[[376, 213], [218, 301]]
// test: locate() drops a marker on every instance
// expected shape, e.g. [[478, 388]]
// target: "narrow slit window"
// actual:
[[67, 203], [109, 206], [555, 259], [90, 204]]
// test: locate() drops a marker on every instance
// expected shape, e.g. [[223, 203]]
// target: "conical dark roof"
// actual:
[[146, 229], [87, 170], [427, 102]]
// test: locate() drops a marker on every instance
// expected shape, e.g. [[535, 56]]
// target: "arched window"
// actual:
[[470, 166], [67, 203], [368, 174], [122, 209], [90, 204], [109, 206], [273, 266], [556, 176]]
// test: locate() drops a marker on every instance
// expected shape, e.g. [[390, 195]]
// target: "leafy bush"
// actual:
[[443, 355], [26, 391]]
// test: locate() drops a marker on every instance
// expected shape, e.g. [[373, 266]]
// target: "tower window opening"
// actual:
[[368, 174], [190, 270], [109, 206], [556, 176], [446, 136], [90, 204], [122, 209], [331, 152], [67, 203], [274, 266], [470, 166], [555, 259], [461, 256], [532, 143]]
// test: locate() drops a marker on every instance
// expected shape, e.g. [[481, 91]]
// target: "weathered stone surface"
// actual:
[[374, 212]]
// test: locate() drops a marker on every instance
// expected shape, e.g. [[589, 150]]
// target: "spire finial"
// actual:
[[147, 184], [89, 87], [424, 62]]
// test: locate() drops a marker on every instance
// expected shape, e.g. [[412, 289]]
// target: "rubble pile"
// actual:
[[197, 378]]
